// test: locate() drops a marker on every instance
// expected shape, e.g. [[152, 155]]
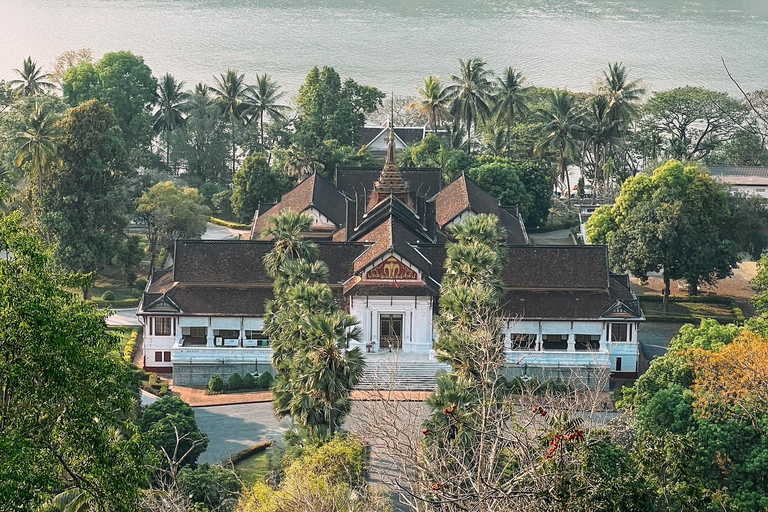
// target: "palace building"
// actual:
[[382, 233]]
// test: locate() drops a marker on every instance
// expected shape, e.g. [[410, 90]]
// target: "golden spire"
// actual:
[[391, 181]]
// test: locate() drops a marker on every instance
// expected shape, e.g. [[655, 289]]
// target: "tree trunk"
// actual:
[[261, 128], [666, 292], [469, 137], [331, 424], [168, 150], [693, 287], [564, 171], [87, 288]]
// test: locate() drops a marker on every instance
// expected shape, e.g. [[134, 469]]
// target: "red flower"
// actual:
[[579, 434], [436, 487], [450, 410], [426, 432]]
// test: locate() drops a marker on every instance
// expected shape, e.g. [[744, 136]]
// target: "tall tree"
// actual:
[[472, 94], [32, 81], [512, 97], [229, 95], [64, 392], [84, 210], [264, 99], [38, 144], [170, 104], [255, 182], [434, 101], [624, 95], [559, 132], [600, 130]]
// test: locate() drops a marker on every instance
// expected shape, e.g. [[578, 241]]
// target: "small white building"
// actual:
[[749, 180]]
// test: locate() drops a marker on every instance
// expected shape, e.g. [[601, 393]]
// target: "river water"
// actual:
[[392, 44]]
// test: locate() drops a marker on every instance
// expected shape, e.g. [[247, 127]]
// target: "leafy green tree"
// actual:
[[38, 144], [330, 109], [560, 120], [693, 121], [170, 425], [434, 101], [170, 213], [502, 180], [537, 180], [264, 99], [255, 182], [675, 222], [471, 94], [84, 211], [512, 98], [760, 281], [169, 114], [32, 81], [124, 82], [65, 390], [212, 486], [601, 130]]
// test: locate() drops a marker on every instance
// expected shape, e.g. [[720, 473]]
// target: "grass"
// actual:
[[124, 333], [685, 310], [254, 467]]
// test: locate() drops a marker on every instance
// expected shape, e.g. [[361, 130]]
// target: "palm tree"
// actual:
[[230, 96], [263, 99], [287, 230], [38, 144], [71, 500], [561, 125], [472, 94], [600, 130], [434, 100], [301, 161], [171, 104], [333, 371], [512, 99], [624, 95], [32, 81]]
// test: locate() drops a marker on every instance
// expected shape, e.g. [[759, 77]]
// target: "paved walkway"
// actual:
[[559, 237], [216, 232], [123, 318]]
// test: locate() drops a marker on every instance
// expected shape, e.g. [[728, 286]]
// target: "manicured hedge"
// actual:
[[227, 224], [705, 299], [253, 450], [130, 348], [114, 304]]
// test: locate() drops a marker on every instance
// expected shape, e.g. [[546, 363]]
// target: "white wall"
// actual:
[[417, 319], [755, 190]]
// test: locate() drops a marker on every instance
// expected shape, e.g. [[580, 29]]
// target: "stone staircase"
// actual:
[[400, 375]]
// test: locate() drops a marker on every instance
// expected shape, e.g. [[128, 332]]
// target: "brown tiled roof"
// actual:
[[402, 288], [464, 194], [221, 300], [556, 304], [551, 267], [391, 234], [237, 262], [314, 191]]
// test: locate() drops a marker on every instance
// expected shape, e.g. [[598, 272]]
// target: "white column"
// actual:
[[571, 341], [178, 331], [604, 338], [242, 334], [209, 341]]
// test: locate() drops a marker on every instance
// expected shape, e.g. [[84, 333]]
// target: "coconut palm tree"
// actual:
[[624, 95], [287, 229], [71, 500], [561, 125], [471, 94], [230, 96], [32, 81], [302, 162], [38, 144], [600, 131], [332, 371], [512, 98], [264, 98], [171, 104], [434, 101]]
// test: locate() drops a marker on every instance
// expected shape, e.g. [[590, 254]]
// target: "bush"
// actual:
[[212, 486], [108, 295], [154, 381], [227, 224], [161, 420], [264, 381], [249, 381], [130, 348], [140, 284], [235, 382], [215, 385]]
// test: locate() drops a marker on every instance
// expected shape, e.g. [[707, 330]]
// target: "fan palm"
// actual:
[[230, 95], [624, 95], [264, 99], [434, 100], [511, 99], [287, 230], [38, 144], [561, 125], [472, 94], [171, 104], [32, 81], [332, 371]]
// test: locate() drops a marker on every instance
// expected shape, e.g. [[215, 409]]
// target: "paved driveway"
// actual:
[[123, 318], [654, 338], [216, 232]]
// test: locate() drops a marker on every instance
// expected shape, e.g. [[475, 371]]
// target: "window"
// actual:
[[587, 342], [522, 341], [255, 339], [166, 357], [163, 326], [759, 190], [197, 332], [555, 342], [620, 332], [618, 364], [158, 357]]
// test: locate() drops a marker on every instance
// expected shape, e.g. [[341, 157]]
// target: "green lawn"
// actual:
[[124, 333], [252, 469], [693, 310]]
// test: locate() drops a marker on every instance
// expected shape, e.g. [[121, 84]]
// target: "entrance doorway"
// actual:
[[391, 330]]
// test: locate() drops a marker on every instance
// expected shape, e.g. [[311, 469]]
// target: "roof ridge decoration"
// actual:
[[391, 180]]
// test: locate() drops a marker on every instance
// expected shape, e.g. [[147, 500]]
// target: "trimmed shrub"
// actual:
[[108, 295], [140, 284], [154, 381], [227, 224], [249, 381], [130, 347], [264, 381], [215, 385], [235, 382]]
